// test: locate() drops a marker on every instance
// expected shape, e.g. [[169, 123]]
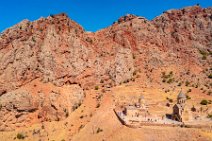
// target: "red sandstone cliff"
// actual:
[[58, 50]]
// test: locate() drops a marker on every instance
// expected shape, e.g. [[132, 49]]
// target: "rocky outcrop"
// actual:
[[58, 50], [20, 108], [15, 106]]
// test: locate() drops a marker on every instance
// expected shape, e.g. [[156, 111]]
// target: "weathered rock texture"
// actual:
[[25, 106], [57, 50]]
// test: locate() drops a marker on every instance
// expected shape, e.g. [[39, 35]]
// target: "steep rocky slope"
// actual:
[[173, 49], [58, 50]]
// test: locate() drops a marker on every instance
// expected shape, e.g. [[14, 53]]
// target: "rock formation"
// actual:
[[56, 50]]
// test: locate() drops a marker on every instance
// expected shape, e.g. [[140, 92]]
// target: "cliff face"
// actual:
[[57, 50]]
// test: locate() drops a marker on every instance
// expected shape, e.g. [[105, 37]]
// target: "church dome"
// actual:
[[181, 95]]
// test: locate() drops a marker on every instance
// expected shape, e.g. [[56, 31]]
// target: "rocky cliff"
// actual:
[[173, 49]]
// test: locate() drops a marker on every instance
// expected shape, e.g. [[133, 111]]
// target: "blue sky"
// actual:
[[91, 14]]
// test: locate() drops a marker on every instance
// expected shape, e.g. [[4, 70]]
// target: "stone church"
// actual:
[[178, 108]]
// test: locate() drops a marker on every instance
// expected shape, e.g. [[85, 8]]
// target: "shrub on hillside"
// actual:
[[96, 87], [99, 130], [204, 102], [20, 136]]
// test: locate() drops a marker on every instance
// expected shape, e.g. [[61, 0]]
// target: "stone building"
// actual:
[[178, 108], [137, 109]]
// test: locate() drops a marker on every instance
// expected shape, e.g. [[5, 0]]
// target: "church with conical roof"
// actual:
[[179, 107]]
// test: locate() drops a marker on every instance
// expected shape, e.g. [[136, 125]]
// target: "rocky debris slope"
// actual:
[[56, 50]]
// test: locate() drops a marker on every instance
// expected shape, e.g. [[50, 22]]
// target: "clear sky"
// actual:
[[91, 14]]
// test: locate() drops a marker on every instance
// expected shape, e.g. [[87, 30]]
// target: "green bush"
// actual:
[[20, 136], [134, 73], [171, 80], [96, 87], [189, 90], [99, 130], [98, 105], [101, 81], [169, 99], [209, 116], [81, 126], [204, 102], [187, 83], [193, 109], [179, 84], [188, 97]]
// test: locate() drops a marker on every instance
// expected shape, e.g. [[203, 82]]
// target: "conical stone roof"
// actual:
[[181, 95]]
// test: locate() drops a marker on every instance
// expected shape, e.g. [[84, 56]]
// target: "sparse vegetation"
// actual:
[[189, 90], [20, 136], [179, 84], [187, 83], [167, 104], [171, 80], [169, 99], [75, 106], [99, 130], [204, 54], [81, 126], [167, 77], [98, 105], [134, 56], [193, 109], [204, 102], [66, 113], [96, 87], [134, 73], [126, 81], [89, 40], [209, 116], [188, 97], [210, 76], [166, 91], [33, 39]]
